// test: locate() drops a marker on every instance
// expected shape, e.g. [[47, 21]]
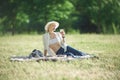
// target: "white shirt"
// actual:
[[53, 41], [46, 42]]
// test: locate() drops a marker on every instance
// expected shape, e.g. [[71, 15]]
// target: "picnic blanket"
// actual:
[[26, 58], [46, 58], [37, 55]]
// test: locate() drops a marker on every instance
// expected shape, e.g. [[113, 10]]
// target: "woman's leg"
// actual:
[[60, 51], [75, 52]]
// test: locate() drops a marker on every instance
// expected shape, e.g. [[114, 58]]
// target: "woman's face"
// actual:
[[51, 27]]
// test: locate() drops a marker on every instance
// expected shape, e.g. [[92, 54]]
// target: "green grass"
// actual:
[[107, 47]]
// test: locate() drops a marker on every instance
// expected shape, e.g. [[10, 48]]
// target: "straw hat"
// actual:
[[51, 22]]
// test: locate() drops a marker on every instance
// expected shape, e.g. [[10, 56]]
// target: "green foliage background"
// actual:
[[85, 16]]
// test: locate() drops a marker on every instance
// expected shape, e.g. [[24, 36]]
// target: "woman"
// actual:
[[54, 42]]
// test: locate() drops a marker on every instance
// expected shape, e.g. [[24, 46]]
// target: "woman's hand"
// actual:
[[62, 33]]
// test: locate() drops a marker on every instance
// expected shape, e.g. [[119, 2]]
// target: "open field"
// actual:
[[107, 47]]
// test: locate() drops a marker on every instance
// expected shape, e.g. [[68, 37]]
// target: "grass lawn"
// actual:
[[107, 47]]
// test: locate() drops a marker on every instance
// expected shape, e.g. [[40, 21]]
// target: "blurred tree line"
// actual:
[[84, 16]]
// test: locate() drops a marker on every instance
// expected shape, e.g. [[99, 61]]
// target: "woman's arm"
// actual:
[[62, 32], [45, 45], [45, 52]]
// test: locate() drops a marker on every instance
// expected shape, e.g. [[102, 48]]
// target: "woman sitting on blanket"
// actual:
[[54, 42]]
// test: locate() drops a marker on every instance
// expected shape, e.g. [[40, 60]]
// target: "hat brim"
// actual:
[[52, 22]]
